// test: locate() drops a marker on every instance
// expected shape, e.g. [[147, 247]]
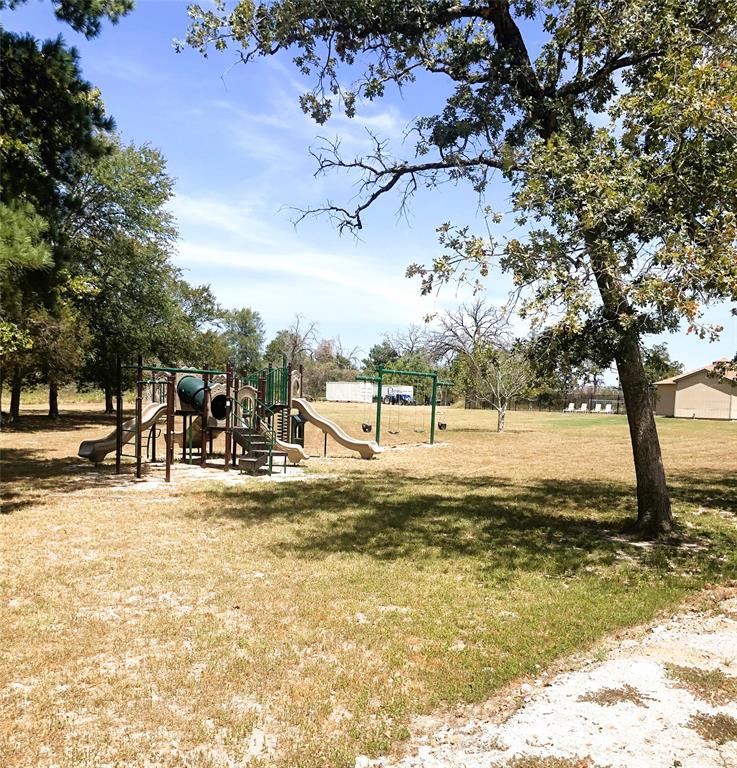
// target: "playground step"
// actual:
[[248, 440], [251, 464], [245, 432]]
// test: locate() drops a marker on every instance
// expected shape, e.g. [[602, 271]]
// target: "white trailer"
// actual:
[[362, 391], [349, 391]]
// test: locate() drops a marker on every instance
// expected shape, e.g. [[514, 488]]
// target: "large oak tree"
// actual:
[[613, 123]]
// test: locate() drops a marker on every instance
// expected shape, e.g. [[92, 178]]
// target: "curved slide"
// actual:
[[295, 453], [366, 448], [96, 450]]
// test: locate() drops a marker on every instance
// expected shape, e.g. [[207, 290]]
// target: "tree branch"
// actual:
[[381, 177], [580, 85]]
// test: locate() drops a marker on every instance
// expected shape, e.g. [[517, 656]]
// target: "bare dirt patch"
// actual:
[[631, 707]]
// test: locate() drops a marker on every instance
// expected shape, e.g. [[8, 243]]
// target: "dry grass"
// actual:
[[719, 728], [305, 623], [529, 761], [711, 685], [608, 697]]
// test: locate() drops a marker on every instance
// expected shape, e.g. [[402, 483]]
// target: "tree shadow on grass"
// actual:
[[27, 475], [708, 490], [68, 421], [550, 526]]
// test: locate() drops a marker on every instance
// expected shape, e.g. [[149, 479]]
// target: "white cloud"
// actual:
[[129, 70], [282, 133], [239, 220], [338, 273], [251, 259]]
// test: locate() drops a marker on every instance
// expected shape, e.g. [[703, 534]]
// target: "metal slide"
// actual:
[[96, 450], [366, 448]]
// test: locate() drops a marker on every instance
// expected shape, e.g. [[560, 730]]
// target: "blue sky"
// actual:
[[237, 144]]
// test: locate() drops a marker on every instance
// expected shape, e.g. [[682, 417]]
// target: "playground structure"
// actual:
[[263, 414], [436, 384]]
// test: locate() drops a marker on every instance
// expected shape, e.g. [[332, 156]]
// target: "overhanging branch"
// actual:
[[379, 176]]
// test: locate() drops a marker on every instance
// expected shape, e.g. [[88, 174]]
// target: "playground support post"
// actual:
[[139, 412], [205, 416], [170, 391], [190, 438], [118, 414], [434, 406], [184, 438], [379, 396], [269, 399], [228, 412], [236, 421], [287, 420]]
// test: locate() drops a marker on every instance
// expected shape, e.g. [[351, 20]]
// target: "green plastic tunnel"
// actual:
[[191, 391]]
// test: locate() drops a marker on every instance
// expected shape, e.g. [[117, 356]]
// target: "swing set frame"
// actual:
[[379, 381]]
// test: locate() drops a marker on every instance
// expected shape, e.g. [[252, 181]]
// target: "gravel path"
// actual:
[[664, 699]]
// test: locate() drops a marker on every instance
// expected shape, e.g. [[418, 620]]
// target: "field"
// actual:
[[305, 623]]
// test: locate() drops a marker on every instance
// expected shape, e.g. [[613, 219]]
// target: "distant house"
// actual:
[[698, 394]]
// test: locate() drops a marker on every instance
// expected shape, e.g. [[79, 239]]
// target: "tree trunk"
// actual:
[[501, 417], [53, 401], [654, 516], [15, 389], [109, 399]]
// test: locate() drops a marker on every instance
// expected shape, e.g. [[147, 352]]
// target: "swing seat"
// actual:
[[366, 427], [442, 425], [393, 433]]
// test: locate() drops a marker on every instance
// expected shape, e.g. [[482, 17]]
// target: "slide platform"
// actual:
[[366, 448]]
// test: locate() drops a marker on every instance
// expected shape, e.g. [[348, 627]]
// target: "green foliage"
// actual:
[[243, 334], [60, 340], [124, 193], [209, 348], [135, 300], [286, 343], [83, 16], [615, 124], [296, 343], [493, 375], [13, 340], [22, 244], [49, 115], [382, 354], [658, 363]]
